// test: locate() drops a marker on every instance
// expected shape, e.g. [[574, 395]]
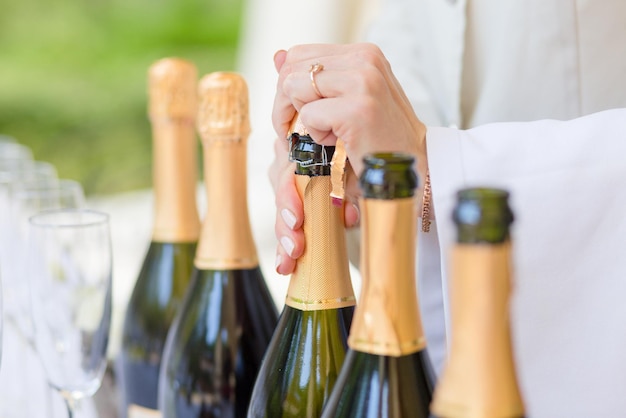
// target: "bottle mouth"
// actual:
[[311, 158], [482, 214], [388, 175], [482, 193], [386, 159]]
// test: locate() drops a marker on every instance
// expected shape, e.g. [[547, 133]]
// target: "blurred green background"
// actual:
[[73, 77]]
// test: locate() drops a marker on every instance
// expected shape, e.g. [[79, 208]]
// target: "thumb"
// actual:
[[279, 59]]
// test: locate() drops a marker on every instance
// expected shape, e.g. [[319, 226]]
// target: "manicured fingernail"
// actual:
[[279, 260], [288, 217], [288, 245], [358, 213]]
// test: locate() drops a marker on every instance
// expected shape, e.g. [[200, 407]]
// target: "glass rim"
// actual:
[[44, 219], [37, 188]]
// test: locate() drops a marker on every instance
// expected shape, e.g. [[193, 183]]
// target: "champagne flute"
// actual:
[[23, 377], [27, 199], [7, 139], [11, 150], [70, 265], [15, 170], [19, 171], [15, 176]]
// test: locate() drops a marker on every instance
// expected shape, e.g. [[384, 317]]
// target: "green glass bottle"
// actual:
[[167, 266], [387, 372], [308, 348], [216, 344], [479, 378]]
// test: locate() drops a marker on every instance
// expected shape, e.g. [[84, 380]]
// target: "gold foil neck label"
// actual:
[[217, 263], [226, 240], [172, 85], [172, 90], [174, 178], [337, 171], [297, 126], [321, 279], [479, 378], [387, 320], [223, 109]]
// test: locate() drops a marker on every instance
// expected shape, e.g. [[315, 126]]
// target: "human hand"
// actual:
[[290, 211], [363, 104], [362, 101]]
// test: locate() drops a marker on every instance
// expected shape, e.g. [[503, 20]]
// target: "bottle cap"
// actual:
[[312, 158], [388, 176], [172, 89], [482, 215], [223, 110]]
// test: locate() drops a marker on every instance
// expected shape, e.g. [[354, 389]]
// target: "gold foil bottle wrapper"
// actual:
[[338, 163], [223, 109], [337, 172], [297, 126], [226, 240], [387, 319], [172, 108], [479, 379], [172, 89], [321, 279]]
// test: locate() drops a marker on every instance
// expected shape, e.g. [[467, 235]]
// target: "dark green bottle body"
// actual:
[[157, 296], [479, 378], [309, 345], [167, 266], [216, 344], [382, 386], [302, 364], [387, 372]]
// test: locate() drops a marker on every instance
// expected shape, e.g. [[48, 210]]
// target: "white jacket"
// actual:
[[492, 67]]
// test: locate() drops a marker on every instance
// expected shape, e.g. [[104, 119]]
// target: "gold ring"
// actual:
[[315, 68]]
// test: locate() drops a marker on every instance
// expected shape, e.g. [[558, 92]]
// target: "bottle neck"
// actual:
[[175, 173], [226, 240], [479, 378], [387, 320], [321, 279]]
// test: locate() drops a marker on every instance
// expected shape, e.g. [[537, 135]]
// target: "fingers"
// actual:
[[288, 224], [338, 78], [290, 242], [362, 100], [352, 214], [281, 166], [362, 103], [279, 59]]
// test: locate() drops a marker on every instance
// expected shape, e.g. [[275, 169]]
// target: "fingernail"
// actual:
[[358, 213], [279, 260], [288, 217], [287, 244]]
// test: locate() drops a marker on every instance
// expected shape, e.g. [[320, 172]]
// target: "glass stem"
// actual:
[[70, 407]]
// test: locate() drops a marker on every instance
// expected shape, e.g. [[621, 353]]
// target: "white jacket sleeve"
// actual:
[[568, 194]]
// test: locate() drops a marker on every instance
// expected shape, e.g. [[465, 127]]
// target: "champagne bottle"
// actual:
[[387, 372], [479, 378], [167, 266], [310, 341], [217, 342]]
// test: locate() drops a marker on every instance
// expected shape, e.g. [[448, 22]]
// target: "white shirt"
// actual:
[[472, 63]]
